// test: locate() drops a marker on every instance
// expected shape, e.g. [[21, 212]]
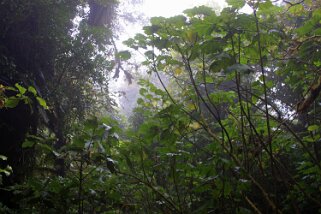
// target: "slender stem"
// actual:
[[80, 198], [175, 184], [148, 184], [252, 205], [238, 83], [198, 93], [267, 115]]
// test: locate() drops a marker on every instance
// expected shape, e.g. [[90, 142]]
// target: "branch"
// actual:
[[293, 4], [119, 66]]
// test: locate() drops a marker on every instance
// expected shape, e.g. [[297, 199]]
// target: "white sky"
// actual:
[[169, 8], [165, 8]]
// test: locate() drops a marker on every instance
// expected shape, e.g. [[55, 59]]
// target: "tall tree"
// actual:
[[60, 49]]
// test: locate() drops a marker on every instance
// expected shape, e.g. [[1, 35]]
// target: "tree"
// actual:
[[61, 51], [227, 136]]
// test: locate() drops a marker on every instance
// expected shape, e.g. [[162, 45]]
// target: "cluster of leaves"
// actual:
[[20, 96], [90, 184], [61, 50], [224, 136]]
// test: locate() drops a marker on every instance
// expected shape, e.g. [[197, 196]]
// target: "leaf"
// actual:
[[130, 43], [178, 71], [191, 106], [140, 101], [223, 96], [21, 89], [313, 128], [32, 90], [149, 30], [124, 55], [56, 153], [11, 88], [221, 61], [178, 20], [2, 157], [44, 147], [42, 102], [28, 144], [191, 36], [149, 55], [201, 10], [7, 171], [209, 79], [157, 20], [143, 91], [268, 8], [269, 84], [195, 125], [11, 102], [236, 3], [242, 68], [161, 43]]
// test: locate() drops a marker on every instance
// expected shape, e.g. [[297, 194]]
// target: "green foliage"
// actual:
[[124, 55], [220, 137], [13, 101], [51, 55], [235, 3], [6, 171], [90, 184]]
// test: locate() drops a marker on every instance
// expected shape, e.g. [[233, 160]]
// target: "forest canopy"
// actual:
[[232, 127]]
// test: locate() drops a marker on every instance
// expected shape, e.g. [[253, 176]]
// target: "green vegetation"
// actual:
[[235, 127]]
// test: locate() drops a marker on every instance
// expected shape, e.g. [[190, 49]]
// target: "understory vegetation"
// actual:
[[232, 127]]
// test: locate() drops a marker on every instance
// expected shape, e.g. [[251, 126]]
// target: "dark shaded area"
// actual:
[[33, 36]]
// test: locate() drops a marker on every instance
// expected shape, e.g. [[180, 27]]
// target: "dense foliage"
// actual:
[[53, 52], [236, 129]]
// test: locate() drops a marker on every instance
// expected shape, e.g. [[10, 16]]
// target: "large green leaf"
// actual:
[[11, 102]]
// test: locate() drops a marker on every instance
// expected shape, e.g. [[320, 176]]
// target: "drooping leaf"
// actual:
[[2, 157], [7, 171], [42, 102], [32, 90], [28, 144], [22, 90]]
